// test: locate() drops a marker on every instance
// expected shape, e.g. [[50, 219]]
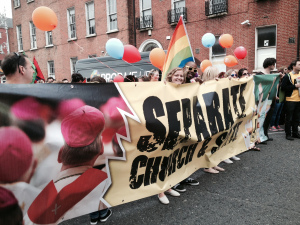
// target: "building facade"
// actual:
[[266, 28]]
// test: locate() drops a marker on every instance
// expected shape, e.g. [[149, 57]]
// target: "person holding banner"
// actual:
[[292, 96], [176, 76], [17, 69], [153, 75], [78, 188]]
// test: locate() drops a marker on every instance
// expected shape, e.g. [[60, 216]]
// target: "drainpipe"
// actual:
[[134, 28], [298, 40]]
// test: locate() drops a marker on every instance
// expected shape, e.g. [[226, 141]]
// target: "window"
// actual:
[[73, 63], [146, 14], [32, 36], [71, 23], [17, 3], [90, 18], [51, 71], [112, 15], [1, 50], [49, 41], [217, 49], [19, 38], [0, 35], [216, 7], [178, 9], [266, 37], [178, 4]]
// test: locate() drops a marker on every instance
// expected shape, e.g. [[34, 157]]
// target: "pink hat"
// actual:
[[26, 109], [110, 108], [15, 154], [68, 106], [7, 199], [81, 127]]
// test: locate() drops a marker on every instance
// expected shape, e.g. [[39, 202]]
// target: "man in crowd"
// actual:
[[78, 187], [17, 69], [292, 97], [269, 65], [50, 80], [191, 71], [77, 78]]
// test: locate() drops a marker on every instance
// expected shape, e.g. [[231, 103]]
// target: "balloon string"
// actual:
[[82, 49]]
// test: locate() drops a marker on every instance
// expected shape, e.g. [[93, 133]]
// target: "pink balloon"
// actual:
[[131, 54], [119, 78], [240, 52]]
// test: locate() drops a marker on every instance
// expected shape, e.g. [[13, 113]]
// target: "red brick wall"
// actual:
[[282, 13]]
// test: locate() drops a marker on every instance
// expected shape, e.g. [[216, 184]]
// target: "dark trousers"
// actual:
[[292, 119], [269, 117]]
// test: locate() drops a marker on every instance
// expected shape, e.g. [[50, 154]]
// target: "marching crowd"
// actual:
[[285, 109]]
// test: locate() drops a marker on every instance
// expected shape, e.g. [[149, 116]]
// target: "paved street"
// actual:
[[262, 188]]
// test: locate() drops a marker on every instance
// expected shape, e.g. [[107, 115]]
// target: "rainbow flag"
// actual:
[[179, 50]]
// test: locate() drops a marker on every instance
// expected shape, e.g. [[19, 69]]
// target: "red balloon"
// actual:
[[119, 78], [230, 61], [131, 54], [240, 52]]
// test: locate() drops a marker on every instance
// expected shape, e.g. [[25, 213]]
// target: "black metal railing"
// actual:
[[144, 22], [174, 15], [216, 7]]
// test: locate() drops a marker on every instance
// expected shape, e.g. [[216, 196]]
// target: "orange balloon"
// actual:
[[204, 64], [226, 40], [157, 57], [44, 18], [230, 61]]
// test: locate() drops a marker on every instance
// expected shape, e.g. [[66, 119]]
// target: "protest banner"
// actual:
[[155, 135]]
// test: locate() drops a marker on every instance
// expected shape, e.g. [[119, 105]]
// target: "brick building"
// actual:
[[270, 29]]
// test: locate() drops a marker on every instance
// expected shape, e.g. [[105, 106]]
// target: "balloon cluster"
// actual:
[[226, 41]]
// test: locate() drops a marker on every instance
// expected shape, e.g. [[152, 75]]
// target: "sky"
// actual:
[[7, 5]]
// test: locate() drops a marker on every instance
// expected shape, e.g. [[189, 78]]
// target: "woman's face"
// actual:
[[233, 74], [178, 77], [245, 74], [155, 77]]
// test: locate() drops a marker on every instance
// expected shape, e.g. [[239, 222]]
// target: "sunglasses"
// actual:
[[191, 68], [233, 75], [18, 55], [244, 74]]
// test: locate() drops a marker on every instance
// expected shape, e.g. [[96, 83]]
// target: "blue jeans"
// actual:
[[98, 214], [276, 114]]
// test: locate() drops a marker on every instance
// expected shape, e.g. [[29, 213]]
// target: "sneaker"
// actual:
[[164, 200], [94, 221], [273, 128], [289, 137], [190, 181], [172, 193], [235, 158], [179, 188], [279, 128], [104, 218], [228, 161]]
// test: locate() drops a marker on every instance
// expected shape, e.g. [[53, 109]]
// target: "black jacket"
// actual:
[[288, 85]]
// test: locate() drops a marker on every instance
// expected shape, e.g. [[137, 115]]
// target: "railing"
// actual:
[[174, 15], [216, 7], [144, 22]]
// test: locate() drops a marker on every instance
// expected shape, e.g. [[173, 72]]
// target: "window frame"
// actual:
[[70, 25], [18, 4], [175, 1], [19, 37], [49, 69], [109, 28], [32, 36], [48, 44], [88, 20], [217, 43], [72, 64]]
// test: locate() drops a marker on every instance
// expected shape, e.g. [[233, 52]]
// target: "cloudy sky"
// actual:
[[7, 5]]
